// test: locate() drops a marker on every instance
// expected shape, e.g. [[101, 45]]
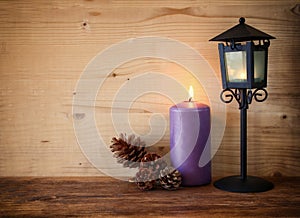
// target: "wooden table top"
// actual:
[[103, 196]]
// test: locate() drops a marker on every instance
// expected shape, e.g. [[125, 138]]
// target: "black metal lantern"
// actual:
[[243, 61]]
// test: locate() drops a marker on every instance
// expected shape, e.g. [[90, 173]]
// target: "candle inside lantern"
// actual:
[[189, 134]]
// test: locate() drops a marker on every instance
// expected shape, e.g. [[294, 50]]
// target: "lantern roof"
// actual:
[[242, 32]]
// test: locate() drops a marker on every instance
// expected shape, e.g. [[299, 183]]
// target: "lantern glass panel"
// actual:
[[236, 66], [259, 66]]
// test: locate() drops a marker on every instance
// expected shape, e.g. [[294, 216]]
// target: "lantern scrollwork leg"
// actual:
[[228, 97], [259, 95]]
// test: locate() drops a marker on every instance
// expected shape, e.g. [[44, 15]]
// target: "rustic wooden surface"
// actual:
[[102, 196], [45, 46]]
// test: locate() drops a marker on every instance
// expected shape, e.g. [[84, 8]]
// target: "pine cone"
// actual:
[[170, 178], [149, 170], [153, 162], [128, 151], [145, 179]]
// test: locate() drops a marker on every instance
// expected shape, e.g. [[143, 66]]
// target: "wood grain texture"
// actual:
[[45, 46], [107, 197]]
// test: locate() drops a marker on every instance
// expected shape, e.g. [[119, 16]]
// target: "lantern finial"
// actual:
[[242, 20]]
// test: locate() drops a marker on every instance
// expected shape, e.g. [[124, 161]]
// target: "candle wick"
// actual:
[[190, 99]]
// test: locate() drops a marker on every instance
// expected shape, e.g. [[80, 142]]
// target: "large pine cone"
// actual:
[[170, 178], [128, 150]]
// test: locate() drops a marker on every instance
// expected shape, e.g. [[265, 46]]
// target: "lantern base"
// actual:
[[250, 184]]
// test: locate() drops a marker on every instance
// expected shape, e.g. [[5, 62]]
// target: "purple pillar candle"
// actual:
[[189, 134]]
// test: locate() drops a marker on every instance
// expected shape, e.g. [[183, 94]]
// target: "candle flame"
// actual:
[[191, 93]]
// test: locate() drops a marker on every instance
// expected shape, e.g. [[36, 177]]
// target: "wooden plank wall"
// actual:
[[46, 45]]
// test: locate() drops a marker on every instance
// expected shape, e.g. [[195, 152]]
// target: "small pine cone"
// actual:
[[170, 178], [128, 150], [153, 162], [145, 179]]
